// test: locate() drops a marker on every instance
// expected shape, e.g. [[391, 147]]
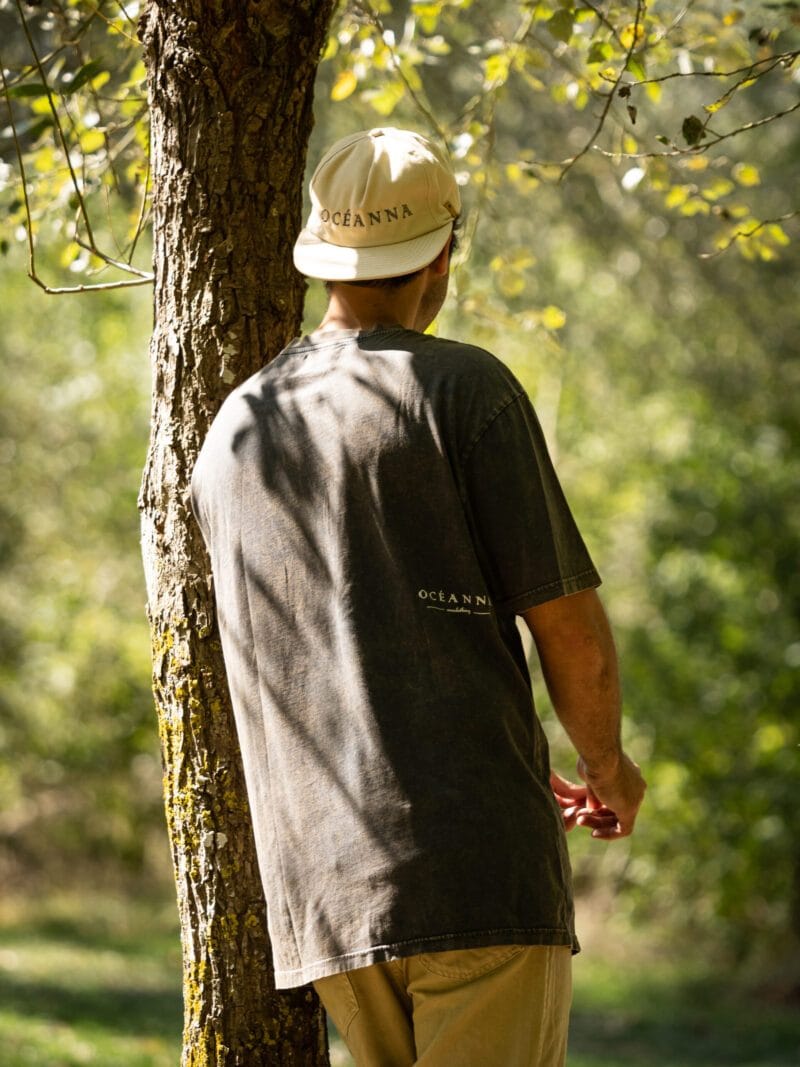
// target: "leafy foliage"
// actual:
[[78, 131], [80, 779], [610, 153]]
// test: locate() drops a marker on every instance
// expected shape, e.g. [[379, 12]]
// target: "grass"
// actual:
[[92, 981], [97, 981], [671, 1015]]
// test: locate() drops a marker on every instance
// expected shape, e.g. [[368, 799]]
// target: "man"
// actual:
[[379, 506]]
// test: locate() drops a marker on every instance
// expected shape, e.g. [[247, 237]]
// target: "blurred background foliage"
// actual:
[[645, 292]]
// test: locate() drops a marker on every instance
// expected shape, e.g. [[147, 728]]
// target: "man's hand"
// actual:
[[571, 798], [582, 806], [613, 798]]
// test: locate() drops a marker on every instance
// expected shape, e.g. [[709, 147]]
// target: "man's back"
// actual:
[[371, 541]]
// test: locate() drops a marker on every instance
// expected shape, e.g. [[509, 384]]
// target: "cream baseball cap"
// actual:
[[383, 203]]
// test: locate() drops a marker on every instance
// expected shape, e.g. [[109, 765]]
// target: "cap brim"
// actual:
[[333, 263]]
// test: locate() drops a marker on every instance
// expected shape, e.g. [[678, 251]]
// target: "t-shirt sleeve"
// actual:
[[529, 546]]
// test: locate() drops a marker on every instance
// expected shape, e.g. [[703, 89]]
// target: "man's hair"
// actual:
[[401, 279]]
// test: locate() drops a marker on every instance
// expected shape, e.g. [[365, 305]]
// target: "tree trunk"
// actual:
[[230, 87]]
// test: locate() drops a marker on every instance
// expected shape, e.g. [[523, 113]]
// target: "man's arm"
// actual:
[[579, 664]]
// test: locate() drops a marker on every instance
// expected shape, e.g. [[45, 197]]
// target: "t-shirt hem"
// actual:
[[349, 961], [531, 598]]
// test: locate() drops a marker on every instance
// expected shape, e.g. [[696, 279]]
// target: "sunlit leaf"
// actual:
[[777, 233], [331, 48], [695, 206], [677, 195], [553, 318], [746, 174], [385, 100], [91, 141], [719, 188], [69, 254], [496, 68], [722, 102], [599, 52], [411, 74], [653, 92], [632, 35], [41, 105], [345, 84], [437, 45], [99, 80], [45, 159], [730, 18]]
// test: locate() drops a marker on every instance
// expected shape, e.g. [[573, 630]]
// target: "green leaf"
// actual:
[[561, 25], [33, 128], [693, 130], [85, 74], [599, 52], [27, 89]]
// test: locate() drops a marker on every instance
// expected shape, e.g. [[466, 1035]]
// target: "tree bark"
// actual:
[[230, 85]]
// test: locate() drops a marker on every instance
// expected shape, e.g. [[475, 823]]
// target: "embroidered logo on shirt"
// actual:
[[456, 603]]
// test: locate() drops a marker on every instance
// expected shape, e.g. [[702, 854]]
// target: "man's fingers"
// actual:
[[612, 834], [597, 820], [564, 789]]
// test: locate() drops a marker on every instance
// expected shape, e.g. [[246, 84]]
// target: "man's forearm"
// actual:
[[579, 663]]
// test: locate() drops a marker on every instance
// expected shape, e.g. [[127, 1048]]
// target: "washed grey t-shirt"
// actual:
[[378, 506]]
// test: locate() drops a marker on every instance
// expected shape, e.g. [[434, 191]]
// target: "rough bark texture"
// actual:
[[230, 86]]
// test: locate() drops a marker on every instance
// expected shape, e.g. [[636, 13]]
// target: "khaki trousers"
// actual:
[[504, 1006]]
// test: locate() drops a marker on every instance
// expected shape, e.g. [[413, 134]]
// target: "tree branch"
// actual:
[[57, 121], [20, 160], [769, 61], [603, 19], [141, 277], [114, 262], [739, 235], [569, 164], [375, 19], [94, 287]]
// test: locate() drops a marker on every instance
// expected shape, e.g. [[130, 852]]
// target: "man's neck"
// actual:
[[353, 307]]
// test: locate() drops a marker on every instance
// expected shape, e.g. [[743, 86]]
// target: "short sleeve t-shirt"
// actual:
[[377, 507]]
